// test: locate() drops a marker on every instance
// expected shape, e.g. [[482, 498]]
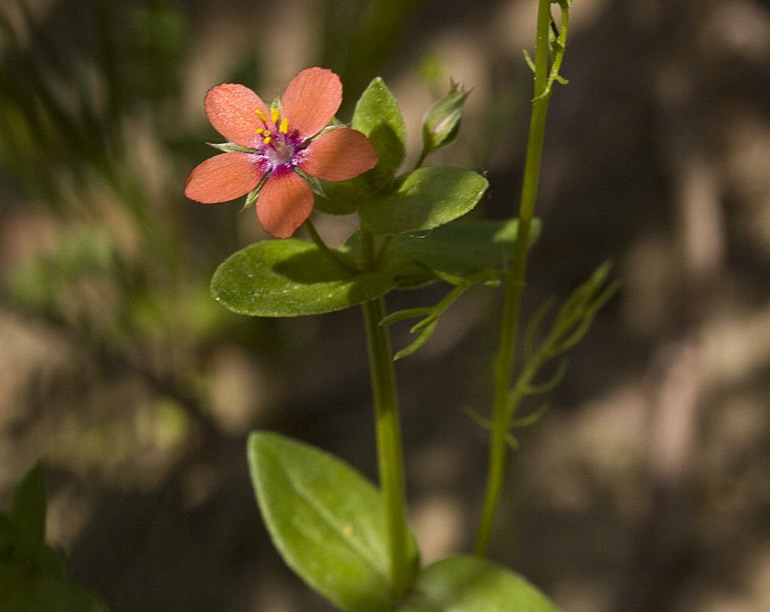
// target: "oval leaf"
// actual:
[[462, 248], [289, 278], [379, 117], [326, 520], [424, 199], [471, 584]]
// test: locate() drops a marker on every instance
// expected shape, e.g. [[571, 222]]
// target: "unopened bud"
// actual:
[[441, 123]]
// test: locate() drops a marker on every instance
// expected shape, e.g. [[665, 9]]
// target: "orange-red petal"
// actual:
[[284, 203], [339, 155], [230, 109], [311, 99], [223, 177]]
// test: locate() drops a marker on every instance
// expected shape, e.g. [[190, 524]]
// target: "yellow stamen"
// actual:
[[267, 139], [261, 131], [261, 115], [274, 114], [284, 126]]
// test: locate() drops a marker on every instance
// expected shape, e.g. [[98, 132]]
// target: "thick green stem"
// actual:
[[388, 429], [513, 285]]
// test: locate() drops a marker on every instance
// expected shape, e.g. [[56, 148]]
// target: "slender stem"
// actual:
[[513, 285], [389, 447], [335, 256], [423, 154], [388, 430]]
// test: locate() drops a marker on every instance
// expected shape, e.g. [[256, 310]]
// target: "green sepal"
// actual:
[[230, 147], [251, 198], [326, 520], [472, 584], [289, 278], [378, 116], [424, 199]]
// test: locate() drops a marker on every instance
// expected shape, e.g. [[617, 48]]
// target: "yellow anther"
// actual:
[[274, 114], [267, 139], [284, 126], [261, 115], [261, 131]]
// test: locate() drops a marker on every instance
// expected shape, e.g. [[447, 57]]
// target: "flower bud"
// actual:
[[441, 122]]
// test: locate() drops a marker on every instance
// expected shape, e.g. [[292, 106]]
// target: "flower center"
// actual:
[[278, 144]]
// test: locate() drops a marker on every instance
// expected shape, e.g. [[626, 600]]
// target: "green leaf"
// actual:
[[462, 248], [289, 278], [7, 536], [342, 198], [326, 520], [378, 116], [22, 591], [28, 511], [424, 199], [471, 584]]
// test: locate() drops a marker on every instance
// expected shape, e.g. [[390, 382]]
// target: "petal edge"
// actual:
[[311, 99], [284, 203], [223, 178], [339, 155], [230, 108]]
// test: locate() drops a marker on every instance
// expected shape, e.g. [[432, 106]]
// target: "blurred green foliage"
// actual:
[[32, 576]]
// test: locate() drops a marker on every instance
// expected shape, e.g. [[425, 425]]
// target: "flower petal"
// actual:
[[231, 110], [310, 100], [223, 177], [339, 155], [284, 203]]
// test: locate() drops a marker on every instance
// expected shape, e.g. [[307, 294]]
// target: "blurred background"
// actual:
[[647, 485]]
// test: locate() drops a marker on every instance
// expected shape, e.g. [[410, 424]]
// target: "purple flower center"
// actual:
[[281, 149], [280, 146]]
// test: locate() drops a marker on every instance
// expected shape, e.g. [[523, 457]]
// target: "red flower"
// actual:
[[275, 144]]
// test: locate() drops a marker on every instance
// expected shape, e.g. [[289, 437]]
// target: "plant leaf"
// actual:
[[462, 248], [471, 584], [342, 198], [424, 199], [28, 511], [378, 116], [326, 520], [289, 278], [22, 591]]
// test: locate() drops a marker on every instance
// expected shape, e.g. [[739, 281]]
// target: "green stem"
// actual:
[[388, 429], [335, 256], [514, 283], [389, 448], [423, 154]]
